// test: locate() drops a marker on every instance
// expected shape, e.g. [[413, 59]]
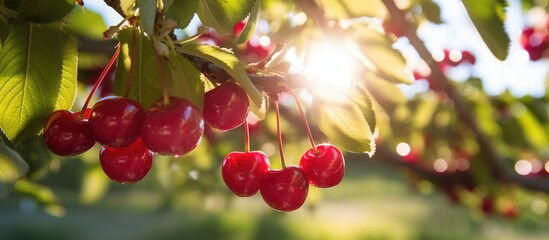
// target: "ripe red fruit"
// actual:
[[127, 164], [487, 205], [535, 42], [324, 167], [238, 28], [286, 189], [172, 129], [67, 135], [242, 172], [226, 106], [115, 121]]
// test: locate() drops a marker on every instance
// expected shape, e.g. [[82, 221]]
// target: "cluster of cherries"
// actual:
[[130, 135], [246, 173]]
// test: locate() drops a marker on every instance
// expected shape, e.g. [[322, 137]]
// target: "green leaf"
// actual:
[[183, 80], [488, 17], [12, 168], [431, 11], [383, 91], [86, 23], [248, 30], [4, 30], [424, 113], [230, 63], [186, 80], [345, 9], [360, 96], [378, 49], [38, 75], [142, 88], [44, 11], [180, 11], [533, 130], [343, 123], [223, 15], [127, 6], [147, 15]]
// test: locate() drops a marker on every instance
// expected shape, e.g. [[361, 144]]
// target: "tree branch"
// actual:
[[463, 109]]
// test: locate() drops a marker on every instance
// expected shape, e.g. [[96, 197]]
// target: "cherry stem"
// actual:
[[132, 58], [162, 76], [279, 132], [246, 136], [100, 80], [305, 122]]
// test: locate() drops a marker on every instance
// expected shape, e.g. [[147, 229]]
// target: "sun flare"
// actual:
[[330, 66]]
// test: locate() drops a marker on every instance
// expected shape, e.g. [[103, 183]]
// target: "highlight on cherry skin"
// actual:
[[324, 167], [172, 129], [66, 134], [286, 189], [116, 121], [226, 106], [242, 172], [127, 164]]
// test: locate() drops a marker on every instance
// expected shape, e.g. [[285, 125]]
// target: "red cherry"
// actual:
[[286, 189], [67, 135], [324, 167], [115, 121], [535, 42], [127, 164], [487, 205], [510, 211], [226, 106], [238, 28], [468, 57], [172, 129], [242, 172]]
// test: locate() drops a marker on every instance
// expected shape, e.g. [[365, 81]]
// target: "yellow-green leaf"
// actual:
[[12, 168], [488, 17], [37, 75], [342, 121], [223, 15]]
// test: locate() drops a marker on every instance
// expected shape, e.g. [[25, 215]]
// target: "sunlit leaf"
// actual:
[[147, 15], [343, 123], [488, 17], [248, 30], [44, 11], [383, 90], [234, 67], [378, 49], [362, 99], [533, 131], [223, 15], [345, 9], [38, 66], [424, 113], [180, 11], [12, 168], [127, 6]]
